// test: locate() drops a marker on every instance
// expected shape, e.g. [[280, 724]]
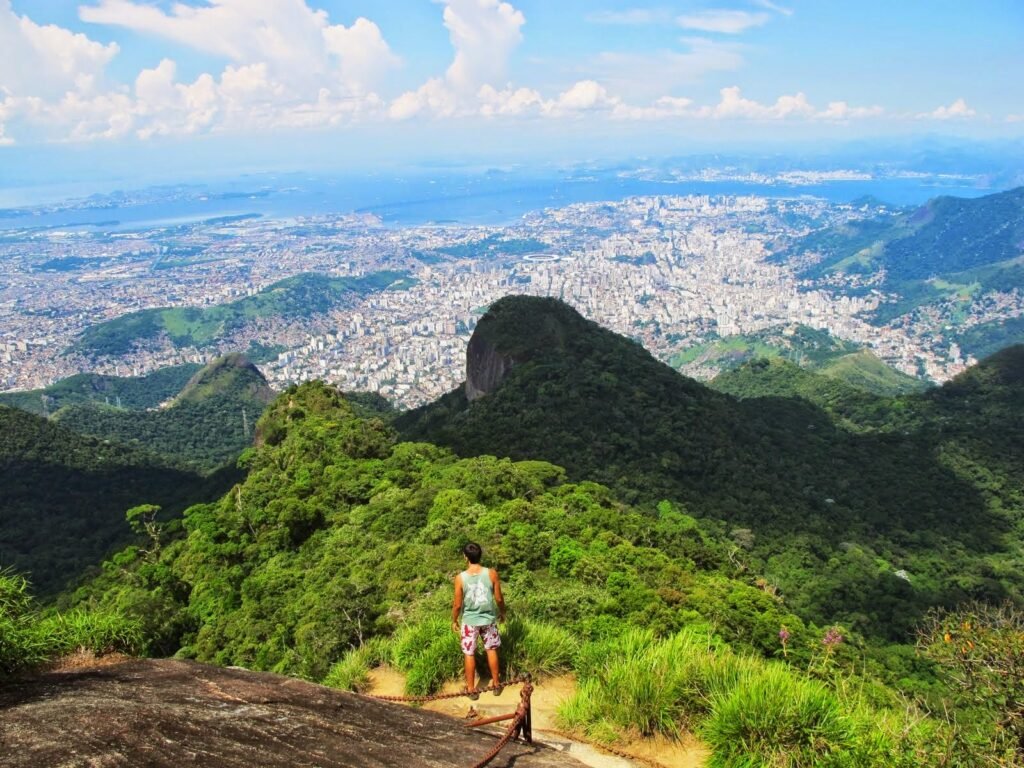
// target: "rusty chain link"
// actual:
[[440, 696], [514, 727], [520, 716], [516, 724]]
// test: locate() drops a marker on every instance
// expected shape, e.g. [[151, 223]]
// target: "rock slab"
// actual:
[[179, 713]]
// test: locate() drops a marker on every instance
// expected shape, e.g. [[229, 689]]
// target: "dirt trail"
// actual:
[[548, 695]]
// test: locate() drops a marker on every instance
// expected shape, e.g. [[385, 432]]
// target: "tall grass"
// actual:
[[637, 685], [779, 719], [97, 631], [352, 671], [28, 639], [429, 653], [752, 713], [537, 649]]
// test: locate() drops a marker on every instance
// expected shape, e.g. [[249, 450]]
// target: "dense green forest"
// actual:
[[798, 570], [868, 521], [131, 392], [337, 551], [300, 296], [207, 424], [64, 496]]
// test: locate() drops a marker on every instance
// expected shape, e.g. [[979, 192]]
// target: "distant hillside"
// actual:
[[562, 389], [950, 252], [64, 496], [135, 393], [301, 296], [946, 236], [810, 348], [210, 421]]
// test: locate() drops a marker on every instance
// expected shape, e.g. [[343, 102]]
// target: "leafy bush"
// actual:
[[980, 650]]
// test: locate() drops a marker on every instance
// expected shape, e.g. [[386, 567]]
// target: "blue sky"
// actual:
[[375, 78]]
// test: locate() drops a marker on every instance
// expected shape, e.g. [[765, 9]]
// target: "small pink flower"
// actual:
[[832, 638]]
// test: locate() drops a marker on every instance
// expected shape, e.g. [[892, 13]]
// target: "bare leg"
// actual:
[[470, 661], [492, 662]]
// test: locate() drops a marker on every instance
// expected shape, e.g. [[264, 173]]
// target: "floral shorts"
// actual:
[[489, 632]]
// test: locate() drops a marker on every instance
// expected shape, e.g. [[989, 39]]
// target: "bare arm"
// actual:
[[496, 582], [457, 605]]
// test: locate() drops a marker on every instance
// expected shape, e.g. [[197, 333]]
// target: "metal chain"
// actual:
[[440, 696], [520, 714], [524, 704], [517, 720]]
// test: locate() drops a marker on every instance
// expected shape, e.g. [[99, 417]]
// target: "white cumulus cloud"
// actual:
[[722, 21], [483, 34], [298, 45], [957, 110], [46, 60], [733, 105], [840, 111]]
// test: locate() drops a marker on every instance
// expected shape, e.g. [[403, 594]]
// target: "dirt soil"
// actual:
[[548, 695], [178, 713]]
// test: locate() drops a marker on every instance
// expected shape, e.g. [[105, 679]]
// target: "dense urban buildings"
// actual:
[[671, 272]]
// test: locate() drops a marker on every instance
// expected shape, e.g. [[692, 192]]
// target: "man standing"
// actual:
[[477, 608]]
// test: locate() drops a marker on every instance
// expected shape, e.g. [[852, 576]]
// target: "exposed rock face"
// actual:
[[514, 331], [175, 713], [486, 367]]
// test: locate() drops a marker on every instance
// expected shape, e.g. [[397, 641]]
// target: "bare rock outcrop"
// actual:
[[486, 367], [176, 713]]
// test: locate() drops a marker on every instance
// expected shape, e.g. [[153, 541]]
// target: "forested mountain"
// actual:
[[135, 393], [811, 348], [304, 295], [944, 237], [207, 424], [337, 550], [951, 252], [64, 496], [869, 526]]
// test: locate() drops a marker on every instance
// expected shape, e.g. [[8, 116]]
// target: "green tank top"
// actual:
[[478, 606]]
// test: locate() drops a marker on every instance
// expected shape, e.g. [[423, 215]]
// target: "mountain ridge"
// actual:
[[603, 408]]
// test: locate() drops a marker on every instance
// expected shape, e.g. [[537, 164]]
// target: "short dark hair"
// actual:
[[473, 552]]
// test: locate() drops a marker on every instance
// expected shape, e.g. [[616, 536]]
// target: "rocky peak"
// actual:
[[486, 367]]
